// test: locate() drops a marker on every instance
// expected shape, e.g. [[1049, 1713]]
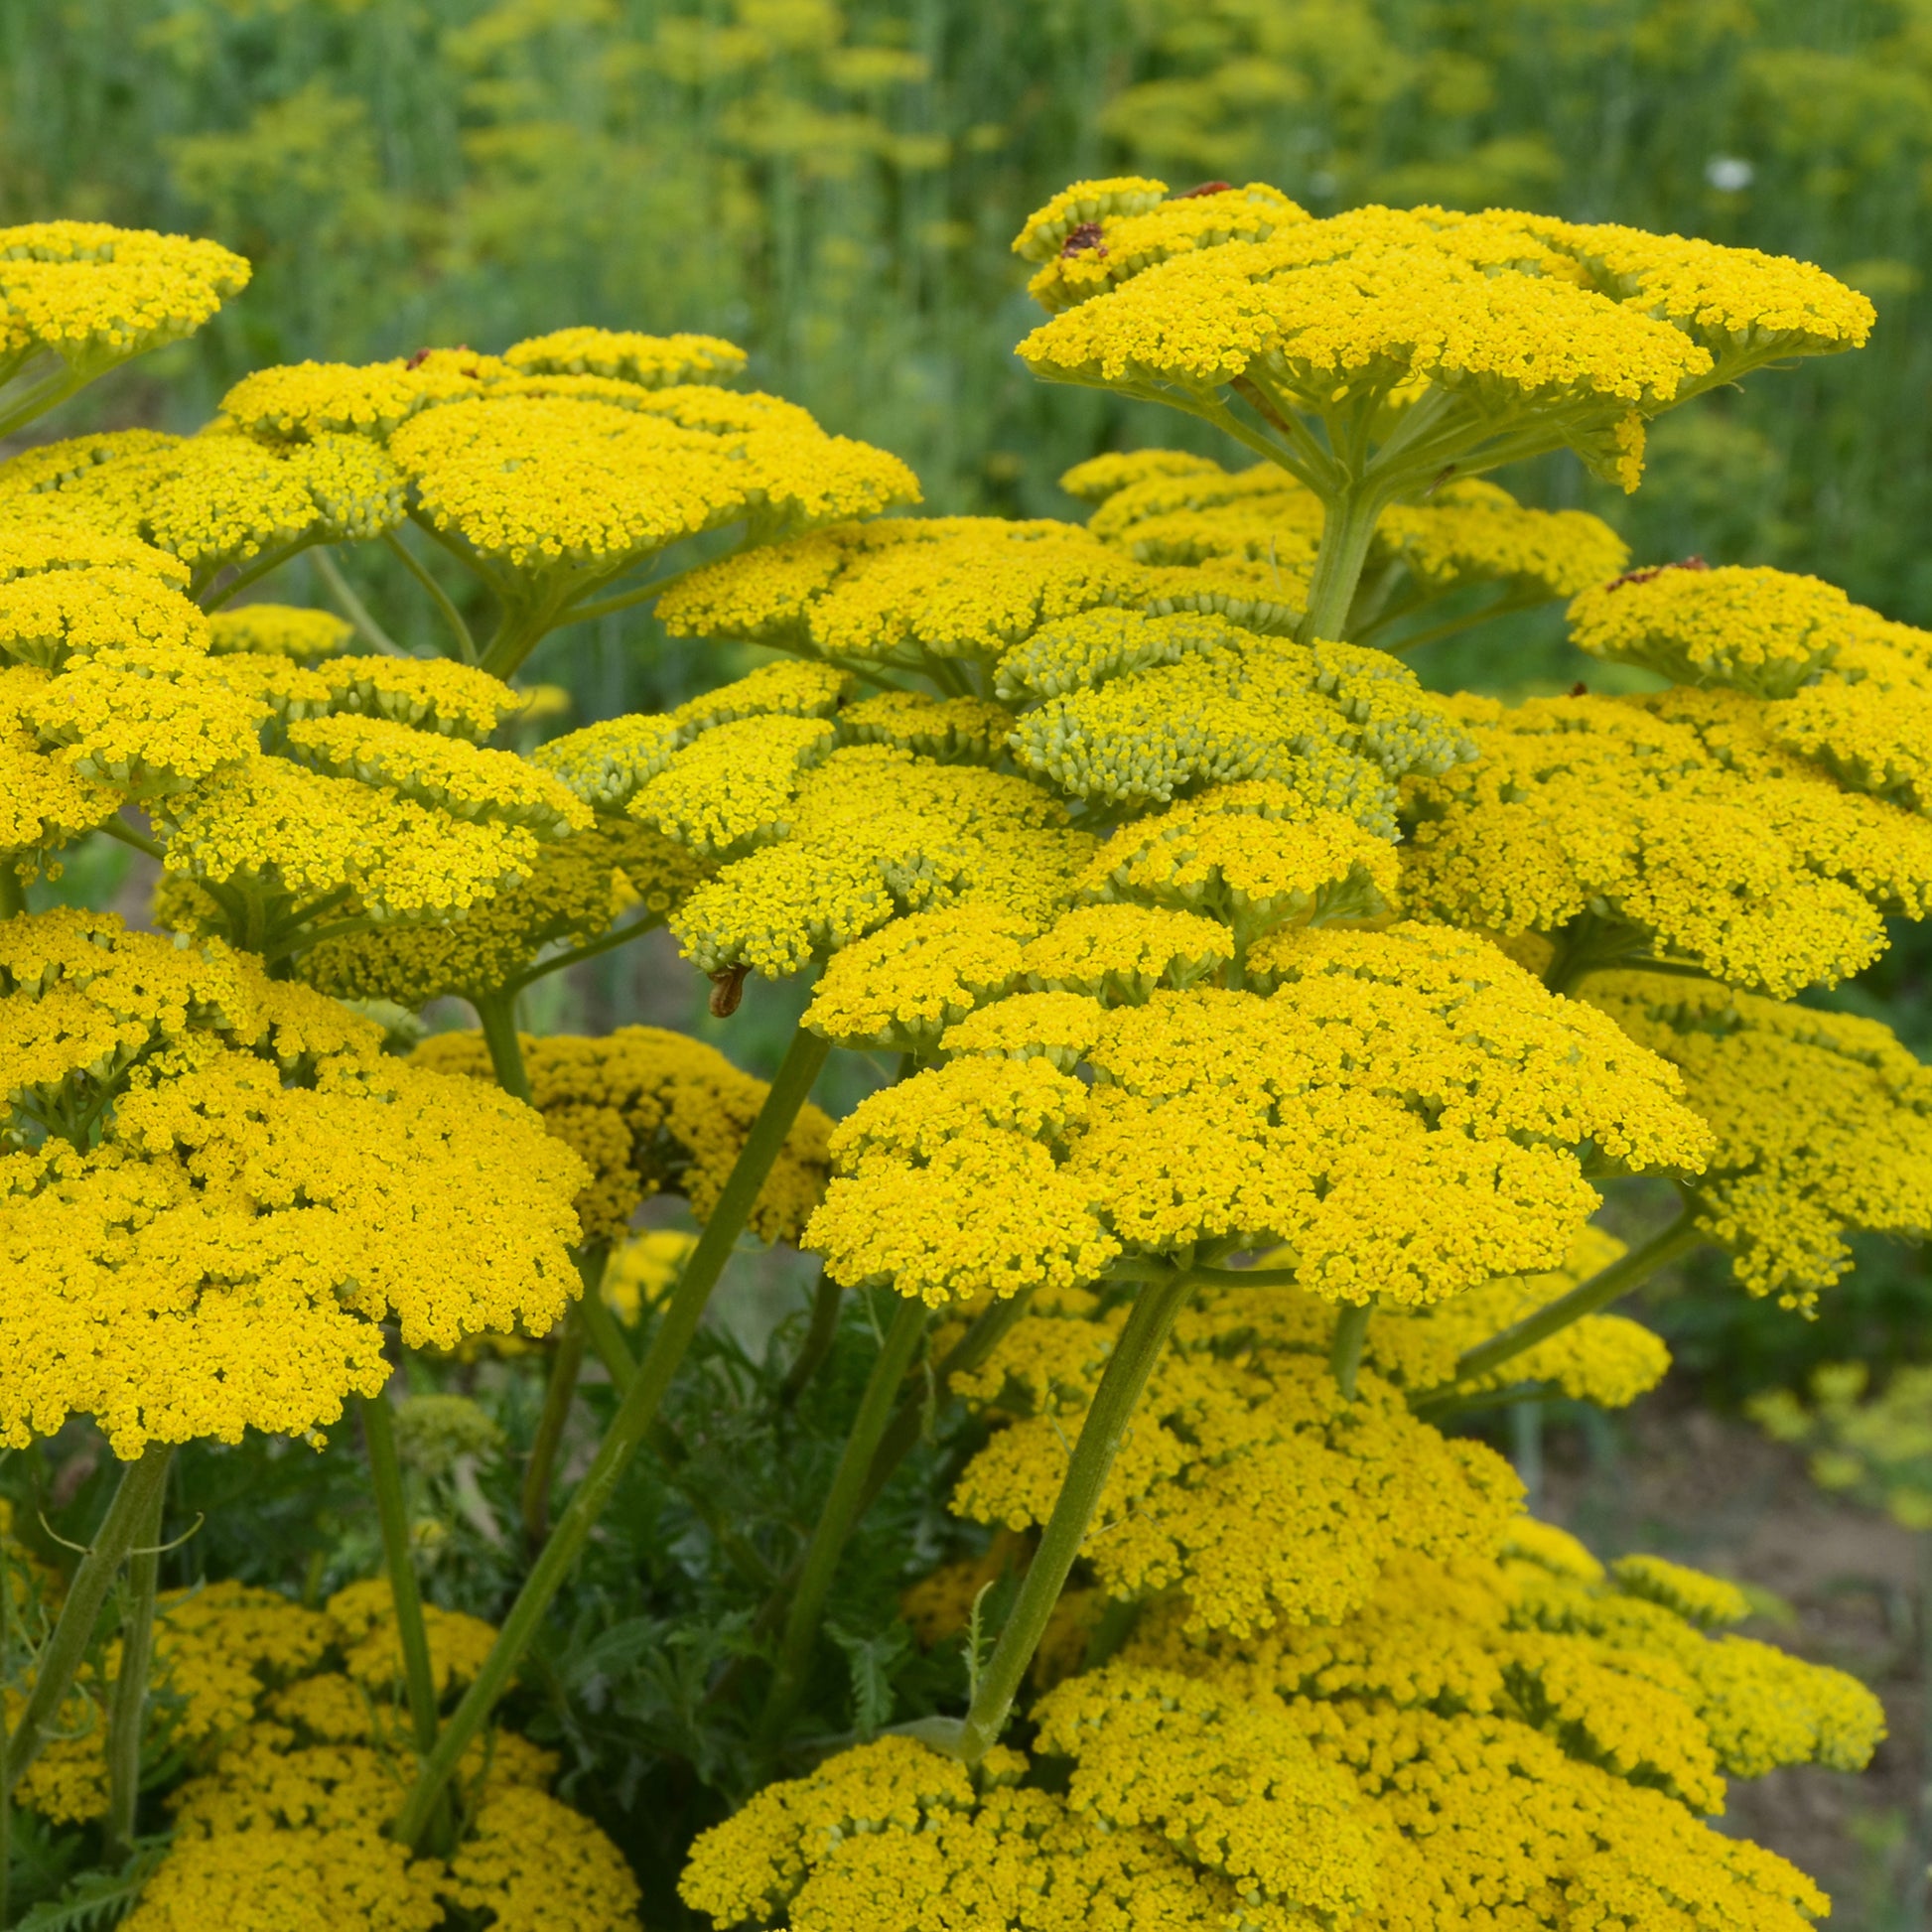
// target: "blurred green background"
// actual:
[[835, 188]]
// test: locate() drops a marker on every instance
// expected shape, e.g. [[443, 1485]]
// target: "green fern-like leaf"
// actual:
[[98, 1900]]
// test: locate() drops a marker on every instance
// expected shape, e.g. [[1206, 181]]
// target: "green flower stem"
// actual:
[[142, 1480], [840, 1512], [525, 627], [466, 646], [1605, 1287], [260, 568], [1345, 537], [636, 1413], [578, 954], [13, 894], [600, 1327], [557, 1395], [1346, 1351], [496, 1012], [828, 1298], [985, 1334], [36, 401], [128, 1707], [1101, 1436], [385, 1471], [352, 606]]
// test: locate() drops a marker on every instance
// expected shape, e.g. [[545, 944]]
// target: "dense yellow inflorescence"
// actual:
[[1678, 820], [653, 1112], [290, 630], [580, 886], [1299, 1118], [1823, 1124], [1518, 332], [1476, 1743], [94, 295], [284, 1822], [225, 1189]]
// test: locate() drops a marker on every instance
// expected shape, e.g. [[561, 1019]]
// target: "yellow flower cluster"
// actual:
[[285, 1823], [1478, 1744], [290, 630], [623, 355], [215, 498], [1678, 817], [1519, 332], [96, 295], [892, 1837], [225, 1188], [1250, 1488], [1759, 631], [1339, 722], [1822, 1121], [1404, 1113], [580, 887], [652, 1112]]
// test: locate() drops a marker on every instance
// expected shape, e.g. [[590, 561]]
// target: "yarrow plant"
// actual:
[[1266, 1027]]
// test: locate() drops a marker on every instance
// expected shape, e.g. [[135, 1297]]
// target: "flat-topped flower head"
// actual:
[[1338, 723], [224, 1189], [911, 592], [28, 549], [1486, 338], [298, 633], [651, 1113], [215, 498], [902, 986], [95, 295], [624, 355], [286, 838], [298, 401], [47, 804], [967, 731], [893, 1836], [1101, 254], [580, 887], [1867, 716], [1676, 823], [574, 492], [1253, 856], [1410, 1114], [873, 832], [54, 614], [1474, 532], [1083, 206], [607, 764], [431, 767], [1823, 1124], [297, 1796], [1102, 477], [1761, 632]]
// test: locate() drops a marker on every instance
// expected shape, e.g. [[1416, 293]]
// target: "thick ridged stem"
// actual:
[[128, 1706], [496, 1014], [1345, 1349], [1346, 538], [636, 1413], [558, 1393], [1101, 1436], [385, 1471], [843, 1504], [61, 1658]]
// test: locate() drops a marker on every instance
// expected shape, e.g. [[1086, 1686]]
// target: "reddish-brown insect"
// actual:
[[1080, 239], [1654, 570], [1206, 188], [727, 989]]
